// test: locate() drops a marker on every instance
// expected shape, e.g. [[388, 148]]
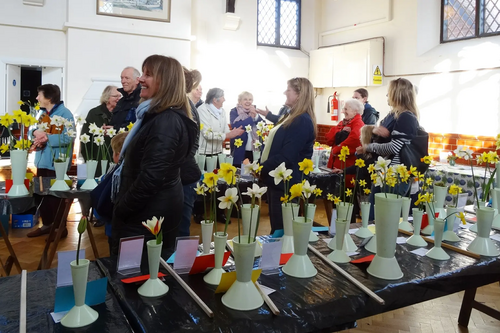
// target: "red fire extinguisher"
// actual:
[[335, 107]]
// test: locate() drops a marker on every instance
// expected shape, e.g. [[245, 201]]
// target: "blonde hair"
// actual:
[[366, 134], [117, 142], [106, 94], [402, 97], [168, 74], [243, 95], [304, 103]]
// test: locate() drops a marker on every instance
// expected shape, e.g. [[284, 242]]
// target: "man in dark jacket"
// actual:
[[370, 115], [124, 112]]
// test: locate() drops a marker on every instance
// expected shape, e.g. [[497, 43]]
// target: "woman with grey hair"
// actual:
[[215, 125], [100, 115], [346, 134]]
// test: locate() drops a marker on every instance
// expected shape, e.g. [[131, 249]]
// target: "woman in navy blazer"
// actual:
[[242, 115], [290, 141]]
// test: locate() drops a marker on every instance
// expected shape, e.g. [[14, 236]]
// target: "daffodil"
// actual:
[[336, 200], [200, 189], [20, 102], [362, 183], [80, 120], [257, 144], [428, 181], [329, 196], [285, 198], [296, 191], [84, 138], [201, 126], [348, 192], [122, 130], [317, 192], [4, 148], [130, 125], [6, 120], [426, 159], [455, 189], [342, 157], [248, 128], [71, 133], [353, 181], [461, 216], [111, 132], [255, 191], [360, 163], [238, 143], [154, 226], [230, 198], [210, 179], [382, 164], [99, 140], [22, 144], [228, 173], [306, 166], [18, 115], [308, 189], [367, 191], [371, 168], [280, 173]]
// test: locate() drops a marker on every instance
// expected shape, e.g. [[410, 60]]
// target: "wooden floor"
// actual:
[[439, 315]]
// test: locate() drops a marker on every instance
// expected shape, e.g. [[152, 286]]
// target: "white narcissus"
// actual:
[[42, 126], [84, 138], [80, 120], [255, 191], [248, 128], [308, 189], [122, 130], [229, 199], [71, 133], [99, 140], [280, 173], [93, 129], [382, 164], [111, 132]]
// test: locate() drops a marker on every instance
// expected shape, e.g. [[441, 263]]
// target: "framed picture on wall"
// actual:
[[153, 10]]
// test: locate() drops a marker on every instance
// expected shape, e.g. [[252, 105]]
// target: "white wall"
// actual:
[[231, 60], [464, 102], [88, 46]]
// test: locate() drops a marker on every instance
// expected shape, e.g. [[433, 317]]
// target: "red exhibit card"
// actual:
[[201, 263], [140, 278], [285, 257], [363, 260]]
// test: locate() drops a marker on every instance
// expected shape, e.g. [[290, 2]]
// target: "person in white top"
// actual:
[[215, 126]]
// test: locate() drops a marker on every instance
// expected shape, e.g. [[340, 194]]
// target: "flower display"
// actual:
[[23, 120], [154, 226], [281, 173]]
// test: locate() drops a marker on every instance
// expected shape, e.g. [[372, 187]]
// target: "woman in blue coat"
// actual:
[[290, 141], [244, 115]]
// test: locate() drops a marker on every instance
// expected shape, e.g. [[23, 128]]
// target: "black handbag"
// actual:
[[414, 150], [101, 197]]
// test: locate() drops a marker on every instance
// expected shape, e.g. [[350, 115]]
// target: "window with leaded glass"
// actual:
[[278, 23], [465, 19]]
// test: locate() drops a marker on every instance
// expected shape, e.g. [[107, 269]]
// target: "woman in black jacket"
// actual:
[[148, 183]]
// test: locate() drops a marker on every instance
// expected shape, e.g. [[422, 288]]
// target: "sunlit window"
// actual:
[[278, 23], [465, 19]]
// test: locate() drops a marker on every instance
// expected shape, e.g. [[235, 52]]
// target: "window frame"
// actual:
[[278, 25], [479, 21]]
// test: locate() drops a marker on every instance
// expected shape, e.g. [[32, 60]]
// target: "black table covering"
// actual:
[[324, 303], [40, 299]]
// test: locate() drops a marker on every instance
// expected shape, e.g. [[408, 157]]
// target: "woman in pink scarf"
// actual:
[[244, 114]]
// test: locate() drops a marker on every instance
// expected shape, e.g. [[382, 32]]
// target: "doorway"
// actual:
[[31, 79]]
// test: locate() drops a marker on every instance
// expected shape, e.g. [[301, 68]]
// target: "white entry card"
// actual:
[[185, 253], [462, 200], [332, 222], [81, 171], [64, 258], [271, 254], [130, 255]]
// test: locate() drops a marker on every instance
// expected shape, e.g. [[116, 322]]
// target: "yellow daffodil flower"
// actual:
[[296, 191], [306, 166], [22, 144], [362, 183], [413, 170], [455, 189], [426, 159], [20, 102], [348, 192], [228, 172], [428, 181], [18, 115], [344, 150], [201, 126], [336, 200], [342, 157], [284, 199], [6, 120], [461, 216], [329, 196], [238, 142], [360, 163], [210, 179], [371, 168], [130, 125], [367, 191], [4, 148], [317, 192], [259, 133], [353, 181]]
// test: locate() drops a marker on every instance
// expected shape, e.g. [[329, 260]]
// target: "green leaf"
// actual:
[[159, 238]]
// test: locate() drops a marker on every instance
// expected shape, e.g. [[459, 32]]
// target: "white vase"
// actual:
[[213, 277], [207, 228], [496, 204], [449, 235], [222, 158], [437, 251], [229, 160], [90, 182], [299, 265], [311, 211], [439, 196], [249, 219], [371, 246], [429, 229], [243, 294], [256, 155], [364, 232], [211, 162], [473, 227], [344, 212], [316, 162], [81, 314], [201, 162], [104, 167], [387, 212], [482, 244], [497, 175], [405, 211], [338, 255], [68, 160], [60, 183], [289, 211], [416, 239], [153, 287], [19, 162]]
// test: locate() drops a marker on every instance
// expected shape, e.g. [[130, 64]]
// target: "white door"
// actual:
[[13, 88], [53, 75]]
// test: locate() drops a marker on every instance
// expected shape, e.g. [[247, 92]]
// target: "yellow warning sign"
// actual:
[[377, 75]]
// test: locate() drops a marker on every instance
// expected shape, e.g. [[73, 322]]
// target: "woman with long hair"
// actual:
[[400, 125], [290, 141], [147, 183]]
